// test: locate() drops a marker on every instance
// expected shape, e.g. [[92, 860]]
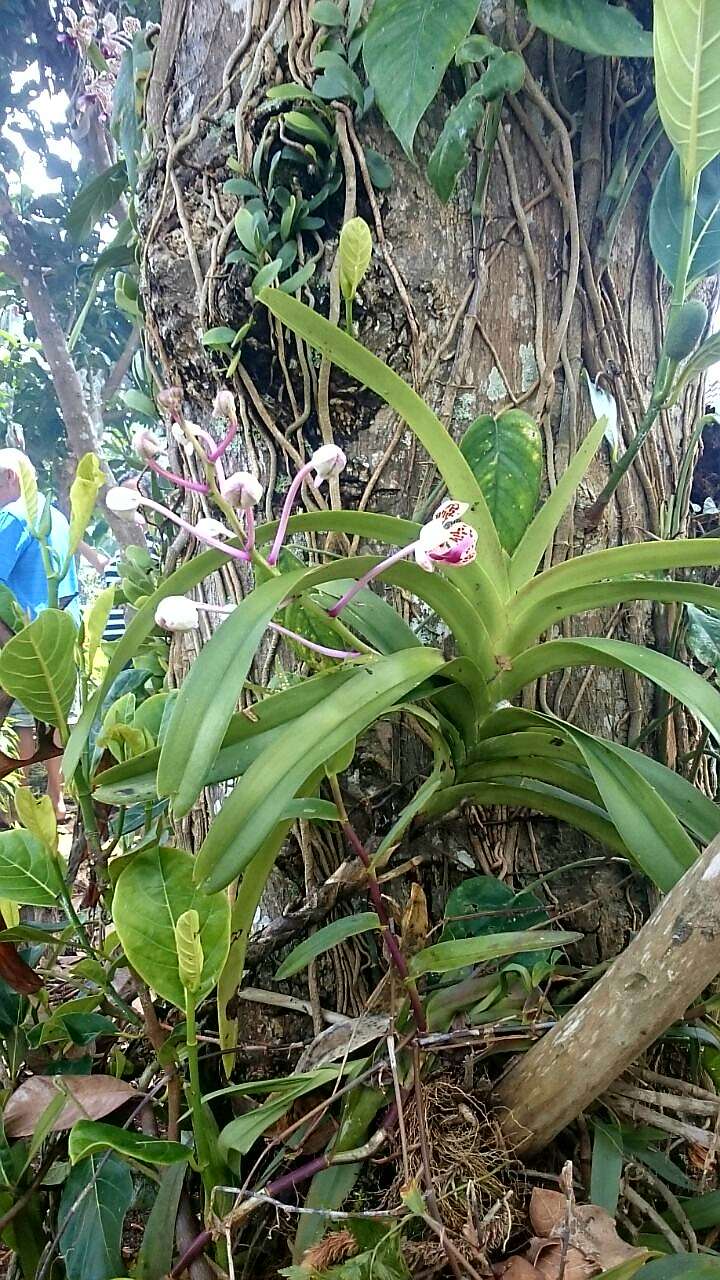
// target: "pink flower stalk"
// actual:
[[445, 539], [179, 613], [224, 407], [117, 500], [326, 462]]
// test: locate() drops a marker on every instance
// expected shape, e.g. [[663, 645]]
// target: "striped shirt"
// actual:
[[115, 625]]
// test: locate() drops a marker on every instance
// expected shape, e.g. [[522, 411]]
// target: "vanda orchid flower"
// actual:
[[179, 613], [212, 533], [327, 461], [444, 540]]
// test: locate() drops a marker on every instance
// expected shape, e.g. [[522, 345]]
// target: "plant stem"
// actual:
[[395, 955], [349, 325], [492, 124], [194, 1091]]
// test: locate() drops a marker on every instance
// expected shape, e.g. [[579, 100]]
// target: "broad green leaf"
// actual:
[[408, 46], [539, 534], [94, 199], [339, 81], [505, 73], [210, 693], [151, 893], [703, 1212], [137, 402], [682, 1267], [686, 37], [84, 490], [451, 154], [37, 816], [256, 805], [240, 1134], [331, 935], [349, 355], [309, 127], [607, 1166], [626, 1270], [685, 685], [326, 13], [594, 26], [707, 354], [443, 957], [505, 454], [354, 254], [482, 905], [28, 872], [92, 1223], [381, 174], [703, 635], [666, 218], [266, 275], [89, 1136], [220, 336], [37, 666], [154, 1260]]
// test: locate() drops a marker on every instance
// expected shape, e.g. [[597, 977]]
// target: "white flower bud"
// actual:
[[181, 439], [224, 405], [208, 527], [122, 501], [171, 398], [177, 613], [146, 444], [242, 490], [328, 461]]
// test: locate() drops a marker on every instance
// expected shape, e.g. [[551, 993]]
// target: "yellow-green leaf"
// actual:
[[38, 667], [189, 949], [354, 254], [84, 490], [686, 37], [37, 816], [95, 622]]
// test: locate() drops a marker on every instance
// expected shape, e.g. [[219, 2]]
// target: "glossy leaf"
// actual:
[[505, 454], [89, 1136], [408, 46], [666, 218], [240, 1134], [28, 872], [607, 1165], [349, 355], [443, 957], [331, 935], [210, 693], [703, 635], [451, 154], [92, 1223], [37, 666], [594, 26], [682, 1267], [151, 894], [255, 807], [542, 797], [539, 534], [686, 34]]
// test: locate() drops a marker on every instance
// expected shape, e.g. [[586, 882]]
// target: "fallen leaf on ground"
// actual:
[[90, 1098], [595, 1245], [516, 1269]]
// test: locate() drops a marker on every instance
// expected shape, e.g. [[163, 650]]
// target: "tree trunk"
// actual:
[[478, 315]]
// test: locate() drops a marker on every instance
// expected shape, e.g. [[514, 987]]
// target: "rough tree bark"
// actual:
[[477, 317]]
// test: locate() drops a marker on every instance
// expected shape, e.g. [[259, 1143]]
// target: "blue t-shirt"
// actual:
[[21, 564]]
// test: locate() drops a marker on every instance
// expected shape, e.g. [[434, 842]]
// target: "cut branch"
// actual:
[[647, 988]]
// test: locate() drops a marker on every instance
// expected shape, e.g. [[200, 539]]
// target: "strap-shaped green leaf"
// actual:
[[349, 355], [257, 803], [331, 935], [37, 666], [443, 957], [539, 534], [686, 37], [678, 680], [617, 562], [210, 693]]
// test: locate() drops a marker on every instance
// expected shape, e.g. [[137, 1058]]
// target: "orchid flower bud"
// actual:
[[208, 527], [146, 444], [177, 613], [181, 439], [170, 399], [224, 405], [242, 489], [328, 461], [123, 501]]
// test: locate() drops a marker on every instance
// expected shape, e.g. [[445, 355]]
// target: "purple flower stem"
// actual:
[[225, 443], [391, 944], [285, 513], [195, 485], [209, 541], [310, 644], [352, 591]]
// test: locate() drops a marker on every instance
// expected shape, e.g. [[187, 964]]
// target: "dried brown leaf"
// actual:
[[516, 1269], [90, 1098], [415, 922], [595, 1245]]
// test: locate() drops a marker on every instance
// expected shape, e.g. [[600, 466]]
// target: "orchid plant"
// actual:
[[500, 613]]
